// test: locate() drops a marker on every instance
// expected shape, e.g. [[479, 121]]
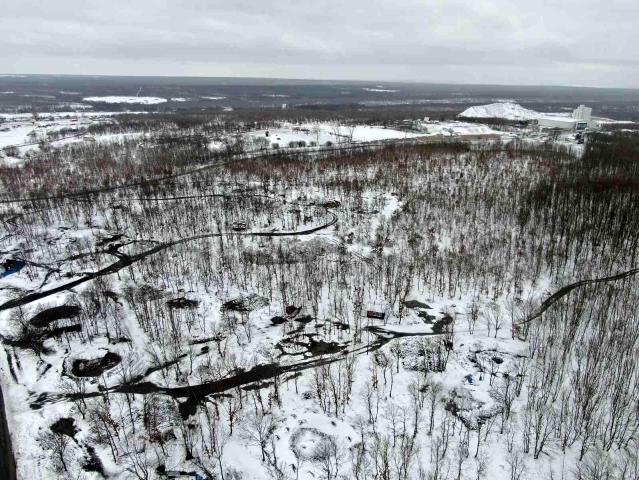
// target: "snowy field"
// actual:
[[319, 134], [122, 99]]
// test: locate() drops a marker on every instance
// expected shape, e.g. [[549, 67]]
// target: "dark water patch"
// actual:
[[416, 304], [92, 462], [50, 315], [11, 266], [95, 367], [331, 204], [188, 408], [64, 426], [182, 302], [320, 347], [440, 325]]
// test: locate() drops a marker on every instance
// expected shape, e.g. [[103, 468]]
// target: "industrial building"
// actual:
[[579, 119]]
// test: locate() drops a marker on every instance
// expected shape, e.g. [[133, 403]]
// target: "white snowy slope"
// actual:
[[118, 99], [508, 111]]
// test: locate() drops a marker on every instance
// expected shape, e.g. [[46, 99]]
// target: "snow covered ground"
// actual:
[[121, 99], [26, 130], [321, 133], [508, 111], [378, 235], [453, 128], [514, 111]]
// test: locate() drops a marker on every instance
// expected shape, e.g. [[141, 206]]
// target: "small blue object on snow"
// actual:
[[469, 378], [11, 266]]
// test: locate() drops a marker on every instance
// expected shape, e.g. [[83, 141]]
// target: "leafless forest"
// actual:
[[214, 312]]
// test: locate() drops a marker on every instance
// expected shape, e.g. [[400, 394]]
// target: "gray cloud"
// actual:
[[586, 42]]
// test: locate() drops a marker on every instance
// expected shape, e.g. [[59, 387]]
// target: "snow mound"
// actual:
[[508, 111], [117, 99]]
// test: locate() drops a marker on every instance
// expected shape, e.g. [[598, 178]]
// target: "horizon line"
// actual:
[[316, 80]]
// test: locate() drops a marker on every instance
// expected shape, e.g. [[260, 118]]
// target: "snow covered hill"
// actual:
[[508, 111]]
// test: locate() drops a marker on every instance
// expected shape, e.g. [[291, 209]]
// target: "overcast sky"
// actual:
[[568, 42]]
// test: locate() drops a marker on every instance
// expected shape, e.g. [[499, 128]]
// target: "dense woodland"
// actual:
[[232, 300]]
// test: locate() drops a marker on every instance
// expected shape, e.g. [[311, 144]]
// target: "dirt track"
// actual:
[[562, 292]]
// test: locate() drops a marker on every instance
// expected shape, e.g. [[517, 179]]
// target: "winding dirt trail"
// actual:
[[563, 291], [127, 260]]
